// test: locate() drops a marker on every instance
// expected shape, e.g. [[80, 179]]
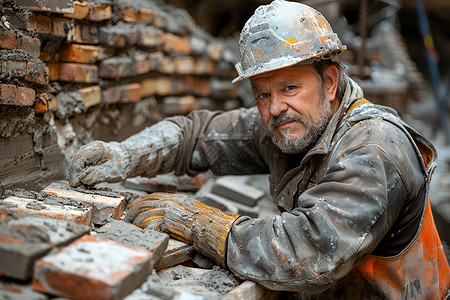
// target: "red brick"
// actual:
[[74, 72], [80, 10], [37, 73], [117, 67], [179, 105], [84, 54], [145, 15], [130, 15], [112, 38], [58, 26], [7, 39], [91, 95], [53, 71], [150, 37], [45, 102], [148, 87], [83, 34], [30, 45], [41, 23], [199, 86], [103, 207], [168, 65], [104, 269], [99, 12], [184, 65], [18, 96], [174, 44], [19, 247], [54, 6], [122, 93], [67, 213]]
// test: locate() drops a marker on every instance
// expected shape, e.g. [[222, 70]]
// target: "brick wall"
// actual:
[[73, 71]]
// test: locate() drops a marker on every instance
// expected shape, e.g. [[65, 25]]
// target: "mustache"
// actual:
[[284, 117]]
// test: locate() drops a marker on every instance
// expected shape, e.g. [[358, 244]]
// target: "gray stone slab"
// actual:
[[236, 188]]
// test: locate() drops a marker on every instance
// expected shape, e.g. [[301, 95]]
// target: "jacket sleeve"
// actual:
[[224, 142], [339, 221]]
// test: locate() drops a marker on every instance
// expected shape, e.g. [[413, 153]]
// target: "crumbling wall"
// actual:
[[74, 71]]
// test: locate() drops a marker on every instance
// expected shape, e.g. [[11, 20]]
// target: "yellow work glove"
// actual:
[[185, 219]]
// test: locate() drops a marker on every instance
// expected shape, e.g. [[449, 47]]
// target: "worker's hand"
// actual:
[[99, 162], [185, 219]]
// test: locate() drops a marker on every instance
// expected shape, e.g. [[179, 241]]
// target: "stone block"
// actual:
[[136, 237], [92, 268], [18, 96], [26, 237], [99, 12], [62, 212], [74, 72], [237, 189], [104, 208], [177, 252], [78, 53]]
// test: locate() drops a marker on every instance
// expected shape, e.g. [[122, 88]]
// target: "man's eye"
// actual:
[[262, 96], [290, 87]]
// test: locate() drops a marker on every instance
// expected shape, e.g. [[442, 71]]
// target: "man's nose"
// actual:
[[277, 105]]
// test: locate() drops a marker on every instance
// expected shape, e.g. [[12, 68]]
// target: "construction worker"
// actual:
[[351, 179]]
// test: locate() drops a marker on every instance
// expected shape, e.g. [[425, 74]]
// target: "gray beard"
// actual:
[[314, 130]]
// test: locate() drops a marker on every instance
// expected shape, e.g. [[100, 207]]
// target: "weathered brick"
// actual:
[[91, 95], [205, 66], [225, 70], [163, 86], [184, 65], [18, 21], [145, 15], [176, 253], [74, 72], [67, 213], [179, 105], [130, 14], [30, 45], [148, 87], [37, 72], [7, 39], [53, 71], [136, 237], [59, 26], [12, 290], [174, 44], [199, 86], [13, 68], [214, 51], [105, 52], [168, 65], [40, 23], [150, 37], [13, 95], [84, 54], [80, 10], [104, 269], [99, 12], [55, 6], [122, 93], [84, 34], [26, 237], [103, 207], [108, 36], [117, 67], [45, 102]]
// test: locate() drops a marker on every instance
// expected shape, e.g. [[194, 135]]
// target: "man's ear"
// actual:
[[331, 82]]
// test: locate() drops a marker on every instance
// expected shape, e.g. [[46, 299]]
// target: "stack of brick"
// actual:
[[103, 52]]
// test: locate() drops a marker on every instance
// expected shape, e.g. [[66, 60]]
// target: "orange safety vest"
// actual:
[[420, 271]]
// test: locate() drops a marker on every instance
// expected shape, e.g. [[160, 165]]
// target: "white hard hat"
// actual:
[[283, 34]]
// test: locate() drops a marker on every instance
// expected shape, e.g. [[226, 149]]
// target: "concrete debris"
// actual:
[[235, 188]]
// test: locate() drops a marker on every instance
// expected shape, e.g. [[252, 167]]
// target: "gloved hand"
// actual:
[[185, 219], [99, 162]]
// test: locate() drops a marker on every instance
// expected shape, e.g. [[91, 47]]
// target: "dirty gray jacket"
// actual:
[[361, 189]]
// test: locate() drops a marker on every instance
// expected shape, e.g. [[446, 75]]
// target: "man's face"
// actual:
[[294, 105]]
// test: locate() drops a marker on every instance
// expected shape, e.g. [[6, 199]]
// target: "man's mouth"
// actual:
[[283, 121]]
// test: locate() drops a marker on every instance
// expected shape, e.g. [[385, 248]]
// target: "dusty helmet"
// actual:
[[283, 34]]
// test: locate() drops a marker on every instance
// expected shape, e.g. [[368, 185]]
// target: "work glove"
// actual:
[[99, 162], [185, 219]]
